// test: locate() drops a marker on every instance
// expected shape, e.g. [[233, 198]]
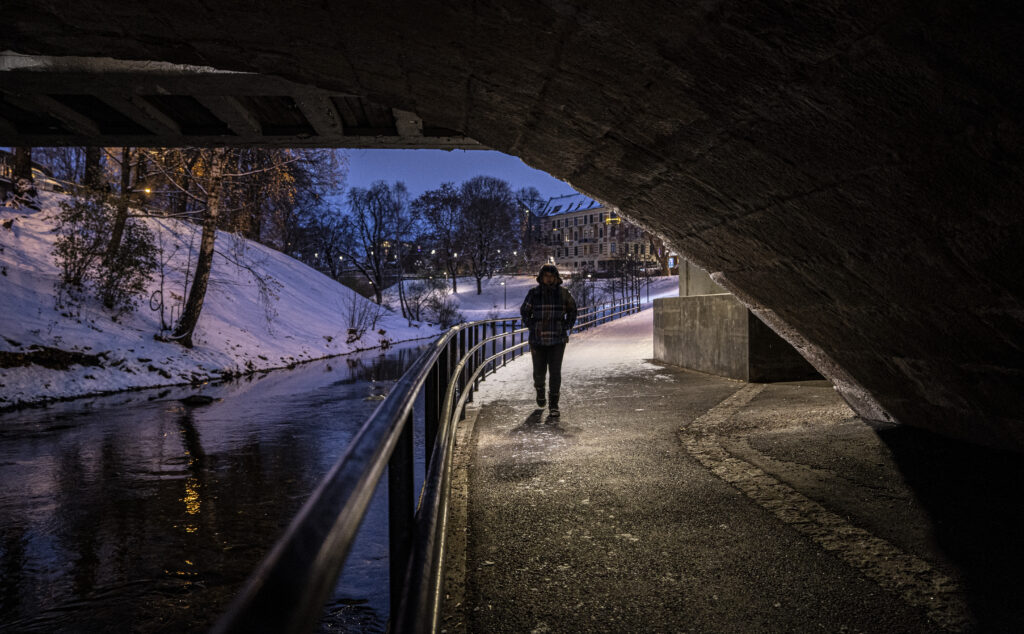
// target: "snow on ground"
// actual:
[[305, 316], [618, 347], [503, 301]]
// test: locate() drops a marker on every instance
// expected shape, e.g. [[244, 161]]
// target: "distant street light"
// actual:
[[505, 288]]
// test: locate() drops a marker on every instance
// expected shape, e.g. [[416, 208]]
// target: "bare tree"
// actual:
[[121, 206], [378, 220], [659, 253], [530, 207], [92, 176], [186, 326], [488, 225], [441, 210], [22, 163], [64, 163]]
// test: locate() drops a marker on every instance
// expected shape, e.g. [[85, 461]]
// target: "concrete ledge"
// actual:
[[717, 334]]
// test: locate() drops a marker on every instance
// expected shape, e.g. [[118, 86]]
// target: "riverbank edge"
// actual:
[[222, 377]]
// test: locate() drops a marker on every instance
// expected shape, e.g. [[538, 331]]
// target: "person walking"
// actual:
[[549, 311]]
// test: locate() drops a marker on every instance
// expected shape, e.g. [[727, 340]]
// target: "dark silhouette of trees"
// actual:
[[441, 210], [377, 222], [488, 225]]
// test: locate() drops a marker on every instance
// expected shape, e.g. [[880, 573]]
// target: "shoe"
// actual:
[[540, 398], [554, 413], [553, 409]]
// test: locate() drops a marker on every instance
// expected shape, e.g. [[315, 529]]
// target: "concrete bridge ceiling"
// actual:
[[47, 101], [852, 170]]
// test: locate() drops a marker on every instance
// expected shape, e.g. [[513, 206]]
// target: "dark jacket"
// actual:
[[549, 312]]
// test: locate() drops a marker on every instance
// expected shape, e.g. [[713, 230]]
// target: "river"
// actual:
[[138, 513]]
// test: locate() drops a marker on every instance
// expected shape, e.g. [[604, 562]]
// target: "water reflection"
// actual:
[[137, 512]]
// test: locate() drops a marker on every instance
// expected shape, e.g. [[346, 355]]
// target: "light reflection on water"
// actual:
[[136, 512]]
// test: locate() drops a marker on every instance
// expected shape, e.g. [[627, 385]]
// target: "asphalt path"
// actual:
[[665, 500]]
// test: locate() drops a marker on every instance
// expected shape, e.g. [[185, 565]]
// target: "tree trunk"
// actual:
[[121, 217], [204, 262], [93, 176], [22, 163], [455, 285], [479, 288]]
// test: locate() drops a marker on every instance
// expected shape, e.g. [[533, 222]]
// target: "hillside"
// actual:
[[51, 352]]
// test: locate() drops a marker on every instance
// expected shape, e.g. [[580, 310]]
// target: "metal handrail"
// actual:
[[288, 589]]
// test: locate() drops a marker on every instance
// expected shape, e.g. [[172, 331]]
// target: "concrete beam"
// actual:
[[233, 113], [142, 113], [408, 124], [75, 121], [320, 112]]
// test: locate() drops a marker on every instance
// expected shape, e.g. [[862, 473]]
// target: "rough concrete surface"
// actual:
[[666, 500], [852, 169]]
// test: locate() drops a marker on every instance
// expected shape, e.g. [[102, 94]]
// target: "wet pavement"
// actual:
[[665, 500]]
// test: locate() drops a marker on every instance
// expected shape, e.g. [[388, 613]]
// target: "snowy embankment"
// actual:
[[53, 352], [497, 301]]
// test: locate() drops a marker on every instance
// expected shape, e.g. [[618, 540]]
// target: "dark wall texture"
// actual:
[[851, 170]]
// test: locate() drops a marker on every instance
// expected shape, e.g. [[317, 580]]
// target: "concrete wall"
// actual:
[[694, 280], [718, 335]]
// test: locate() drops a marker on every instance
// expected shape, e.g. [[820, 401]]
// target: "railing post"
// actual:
[[462, 375], [433, 391], [504, 344], [471, 366], [400, 511], [494, 346]]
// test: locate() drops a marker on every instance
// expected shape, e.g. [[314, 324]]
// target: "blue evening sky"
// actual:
[[427, 169]]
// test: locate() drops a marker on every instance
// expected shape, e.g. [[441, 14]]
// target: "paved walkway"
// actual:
[[666, 500]]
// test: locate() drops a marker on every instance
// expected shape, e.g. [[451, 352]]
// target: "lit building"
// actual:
[[579, 233]]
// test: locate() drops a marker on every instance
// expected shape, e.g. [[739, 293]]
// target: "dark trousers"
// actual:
[[548, 360]]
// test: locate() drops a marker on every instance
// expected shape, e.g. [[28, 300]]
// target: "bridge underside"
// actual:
[[851, 170], [49, 101]]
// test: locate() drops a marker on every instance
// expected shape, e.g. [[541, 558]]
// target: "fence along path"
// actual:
[[287, 591]]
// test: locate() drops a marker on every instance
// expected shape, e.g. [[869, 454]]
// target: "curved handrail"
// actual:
[[288, 589]]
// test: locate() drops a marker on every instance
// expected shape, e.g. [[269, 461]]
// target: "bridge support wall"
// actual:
[[717, 334]]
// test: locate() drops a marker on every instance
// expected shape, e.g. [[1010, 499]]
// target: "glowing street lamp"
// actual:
[[505, 288]]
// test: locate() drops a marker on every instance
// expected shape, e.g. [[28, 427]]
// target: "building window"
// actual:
[[613, 248], [575, 251]]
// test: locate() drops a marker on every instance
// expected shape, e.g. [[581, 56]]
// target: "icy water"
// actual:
[[138, 513]]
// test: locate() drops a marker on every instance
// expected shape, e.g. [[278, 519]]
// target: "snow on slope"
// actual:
[[491, 303], [307, 318]]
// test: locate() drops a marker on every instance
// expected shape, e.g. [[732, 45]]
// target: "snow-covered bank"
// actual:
[[300, 315], [497, 301]]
